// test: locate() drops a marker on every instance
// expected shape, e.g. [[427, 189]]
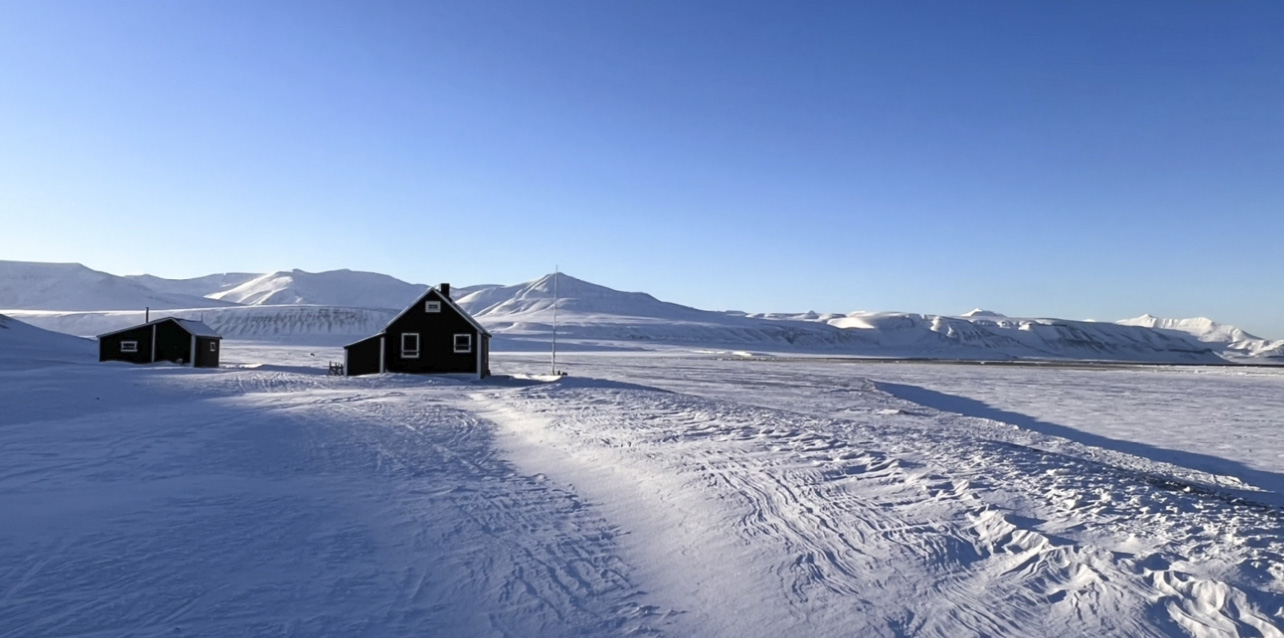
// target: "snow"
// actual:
[[330, 288], [656, 493]]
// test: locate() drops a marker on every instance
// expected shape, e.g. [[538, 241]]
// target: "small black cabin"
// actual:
[[170, 339], [432, 336]]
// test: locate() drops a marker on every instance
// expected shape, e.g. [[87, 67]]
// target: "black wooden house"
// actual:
[[170, 339], [432, 336]]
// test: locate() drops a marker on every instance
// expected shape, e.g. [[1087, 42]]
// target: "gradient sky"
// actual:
[[1071, 159]]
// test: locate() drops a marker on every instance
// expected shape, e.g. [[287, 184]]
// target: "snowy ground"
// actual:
[[649, 494]]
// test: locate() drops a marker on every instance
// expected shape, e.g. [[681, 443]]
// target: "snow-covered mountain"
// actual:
[[588, 311], [331, 288], [196, 286], [27, 344], [1233, 341], [575, 297], [297, 305], [46, 286]]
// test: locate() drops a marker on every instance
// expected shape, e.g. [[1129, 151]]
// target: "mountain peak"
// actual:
[[979, 312]]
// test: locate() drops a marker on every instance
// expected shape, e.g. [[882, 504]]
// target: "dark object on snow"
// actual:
[[170, 339], [432, 336]]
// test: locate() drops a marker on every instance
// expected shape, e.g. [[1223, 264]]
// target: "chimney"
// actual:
[[445, 290], [147, 315]]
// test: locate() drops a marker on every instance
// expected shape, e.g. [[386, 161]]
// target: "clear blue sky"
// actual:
[[1073, 159]]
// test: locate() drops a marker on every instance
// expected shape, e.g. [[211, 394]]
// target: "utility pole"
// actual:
[[556, 272]]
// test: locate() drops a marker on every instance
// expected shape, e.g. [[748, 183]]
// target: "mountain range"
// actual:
[[337, 305]]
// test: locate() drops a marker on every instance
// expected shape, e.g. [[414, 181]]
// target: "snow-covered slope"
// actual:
[[23, 344], [330, 288], [46, 286], [196, 286], [1232, 341]]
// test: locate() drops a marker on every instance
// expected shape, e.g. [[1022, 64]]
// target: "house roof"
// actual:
[[422, 298], [198, 328], [450, 302], [193, 327], [373, 336]]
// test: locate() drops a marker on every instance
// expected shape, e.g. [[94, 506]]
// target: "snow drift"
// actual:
[[26, 344]]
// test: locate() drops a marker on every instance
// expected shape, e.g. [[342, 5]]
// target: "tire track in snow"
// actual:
[[912, 530], [540, 559]]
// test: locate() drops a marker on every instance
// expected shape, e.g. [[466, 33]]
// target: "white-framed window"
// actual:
[[213, 346], [129, 346], [432, 306], [410, 345], [463, 342]]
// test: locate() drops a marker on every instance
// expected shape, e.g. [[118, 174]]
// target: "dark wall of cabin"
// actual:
[[363, 357], [173, 343], [207, 351], [109, 346], [436, 340]]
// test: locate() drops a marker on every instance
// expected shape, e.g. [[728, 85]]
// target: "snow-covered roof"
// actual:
[[192, 326], [197, 328]]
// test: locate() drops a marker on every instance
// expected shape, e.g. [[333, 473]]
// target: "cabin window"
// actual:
[[432, 306], [463, 343], [409, 345], [129, 346], [213, 346]]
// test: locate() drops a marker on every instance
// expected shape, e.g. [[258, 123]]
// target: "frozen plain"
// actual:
[[647, 494]]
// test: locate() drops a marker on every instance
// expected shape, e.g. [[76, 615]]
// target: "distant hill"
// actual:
[[196, 286], [298, 305], [593, 312], [45, 286], [1229, 339], [331, 288]]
